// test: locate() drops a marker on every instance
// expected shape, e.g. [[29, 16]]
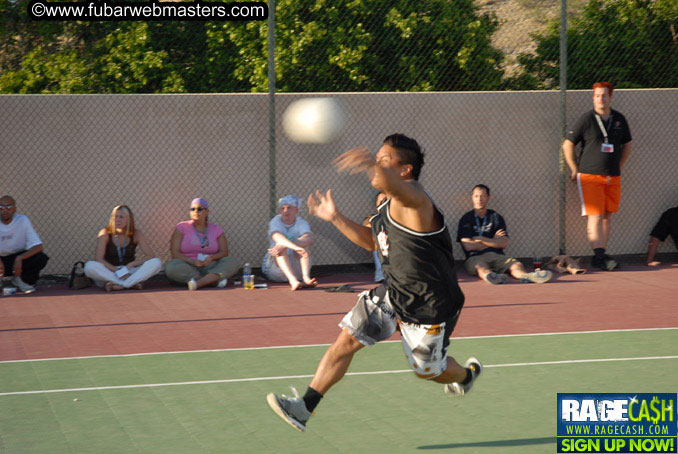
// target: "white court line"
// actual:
[[289, 377], [325, 345]]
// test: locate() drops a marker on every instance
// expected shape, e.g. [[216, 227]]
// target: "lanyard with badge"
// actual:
[[481, 229], [121, 251], [203, 237], [606, 147], [204, 240]]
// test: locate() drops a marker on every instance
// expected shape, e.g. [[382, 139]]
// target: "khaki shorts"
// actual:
[[499, 263]]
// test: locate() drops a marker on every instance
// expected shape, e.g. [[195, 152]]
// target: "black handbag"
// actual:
[[78, 279]]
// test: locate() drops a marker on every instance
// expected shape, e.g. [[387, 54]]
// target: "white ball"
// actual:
[[314, 120]]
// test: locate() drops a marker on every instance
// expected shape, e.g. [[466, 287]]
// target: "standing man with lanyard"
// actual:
[[605, 146]]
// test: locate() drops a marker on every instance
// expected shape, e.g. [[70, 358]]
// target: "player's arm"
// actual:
[[323, 206]]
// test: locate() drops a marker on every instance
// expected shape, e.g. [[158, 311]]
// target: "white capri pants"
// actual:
[[100, 274]]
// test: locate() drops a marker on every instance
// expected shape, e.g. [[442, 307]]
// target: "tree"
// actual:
[[342, 45], [631, 43], [372, 45], [109, 57]]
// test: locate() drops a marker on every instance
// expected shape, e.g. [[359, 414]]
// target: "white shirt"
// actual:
[[292, 232], [19, 235]]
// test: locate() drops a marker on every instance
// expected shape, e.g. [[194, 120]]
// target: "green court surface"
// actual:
[[215, 402]]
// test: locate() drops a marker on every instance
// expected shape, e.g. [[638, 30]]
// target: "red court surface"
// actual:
[[56, 322]]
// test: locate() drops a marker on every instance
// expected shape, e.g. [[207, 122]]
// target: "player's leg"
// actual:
[[335, 362], [426, 349], [454, 372], [370, 321]]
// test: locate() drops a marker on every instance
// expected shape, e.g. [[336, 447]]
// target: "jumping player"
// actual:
[[420, 294]]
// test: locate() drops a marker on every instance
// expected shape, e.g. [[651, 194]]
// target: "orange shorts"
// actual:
[[598, 194]]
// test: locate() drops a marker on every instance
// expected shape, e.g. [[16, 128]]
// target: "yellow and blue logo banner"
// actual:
[[617, 422]]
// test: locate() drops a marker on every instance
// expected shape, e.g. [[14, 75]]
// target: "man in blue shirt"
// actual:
[[483, 236]]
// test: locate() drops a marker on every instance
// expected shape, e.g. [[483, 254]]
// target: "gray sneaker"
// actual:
[[24, 287], [538, 277], [496, 278], [291, 409], [457, 389], [222, 283], [609, 263]]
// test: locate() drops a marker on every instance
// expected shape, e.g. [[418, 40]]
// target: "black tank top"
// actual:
[[419, 269], [111, 254]]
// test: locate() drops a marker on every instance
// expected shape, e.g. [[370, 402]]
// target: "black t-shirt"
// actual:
[[667, 225], [471, 225], [418, 269], [592, 159]]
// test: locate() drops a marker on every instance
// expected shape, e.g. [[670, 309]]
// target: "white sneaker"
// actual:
[[24, 287], [496, 278], [458, 389], [192, 285], [538, 277], [222, 283]]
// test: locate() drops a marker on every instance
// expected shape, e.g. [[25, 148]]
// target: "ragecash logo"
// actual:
[[617, 422]]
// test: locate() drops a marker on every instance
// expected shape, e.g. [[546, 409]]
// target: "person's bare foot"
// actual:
[[296, 285], [654, 264], [111, 287], [310, 282]]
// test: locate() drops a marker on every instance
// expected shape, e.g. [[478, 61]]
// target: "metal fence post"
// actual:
[[271, 107], [563, 118]]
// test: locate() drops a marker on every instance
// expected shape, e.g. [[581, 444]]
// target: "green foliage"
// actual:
[[321, 45], [631, 43], [372, 45]]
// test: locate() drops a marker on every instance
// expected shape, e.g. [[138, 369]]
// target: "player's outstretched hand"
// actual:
[[355, 161], [322, 206]]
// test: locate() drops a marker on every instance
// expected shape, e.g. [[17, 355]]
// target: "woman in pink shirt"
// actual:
[[199, 251]]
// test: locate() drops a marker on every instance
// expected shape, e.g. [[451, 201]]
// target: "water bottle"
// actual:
[[247, 277]]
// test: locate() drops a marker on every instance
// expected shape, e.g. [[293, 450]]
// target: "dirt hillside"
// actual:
[[518, 19]]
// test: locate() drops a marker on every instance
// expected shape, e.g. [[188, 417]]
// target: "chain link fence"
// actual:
[[428, 69]]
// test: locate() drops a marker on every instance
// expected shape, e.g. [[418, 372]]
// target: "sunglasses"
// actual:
[[198, 209], [6, 207]]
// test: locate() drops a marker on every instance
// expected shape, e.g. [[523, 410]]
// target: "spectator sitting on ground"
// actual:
[[378, 274], [20, 247], [115, 266], [483, 237], [667, 225], [288, 258], [199, 251]]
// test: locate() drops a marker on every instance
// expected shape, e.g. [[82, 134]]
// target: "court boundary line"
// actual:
[[493, 336], [290, 377]]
